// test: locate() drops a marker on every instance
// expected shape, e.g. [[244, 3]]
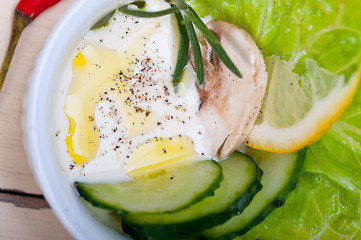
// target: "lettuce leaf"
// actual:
[[326, 31], [318, 208], [327, 201]]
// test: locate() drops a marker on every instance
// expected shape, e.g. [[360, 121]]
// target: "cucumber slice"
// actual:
[[167, 192], [240, 184], [281, 172]]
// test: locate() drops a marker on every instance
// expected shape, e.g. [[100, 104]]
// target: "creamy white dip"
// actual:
[[150, 46]]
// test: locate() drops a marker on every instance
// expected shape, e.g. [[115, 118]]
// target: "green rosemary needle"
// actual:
[[186, 19]]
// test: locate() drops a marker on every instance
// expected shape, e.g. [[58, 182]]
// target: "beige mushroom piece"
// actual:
[[229, 104]]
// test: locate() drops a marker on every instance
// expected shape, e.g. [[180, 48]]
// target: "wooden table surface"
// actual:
[[24, 212]]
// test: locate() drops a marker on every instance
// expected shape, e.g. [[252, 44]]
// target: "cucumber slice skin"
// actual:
[[188, 229], [105, 195], [277, 202], [282, 196], [191, 227]]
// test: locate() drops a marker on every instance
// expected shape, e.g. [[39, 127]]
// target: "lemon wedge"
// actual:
[[298, 110]]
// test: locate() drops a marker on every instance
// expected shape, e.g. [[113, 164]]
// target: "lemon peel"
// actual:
[[318, 120]]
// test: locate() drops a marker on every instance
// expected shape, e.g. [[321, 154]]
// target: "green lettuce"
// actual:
[[326, 31], [326, 203], [319, 208]]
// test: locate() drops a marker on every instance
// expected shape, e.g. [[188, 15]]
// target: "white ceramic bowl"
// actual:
[[57, 189]]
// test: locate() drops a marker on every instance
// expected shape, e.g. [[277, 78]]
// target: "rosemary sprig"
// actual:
[[197, 21], [186, 18], [145, 14], [198, 61], [181, 4], [212, 40], [103, 21], [182, 51]]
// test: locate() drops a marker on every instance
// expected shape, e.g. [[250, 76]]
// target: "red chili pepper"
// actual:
[[33, 8], [26, 11]]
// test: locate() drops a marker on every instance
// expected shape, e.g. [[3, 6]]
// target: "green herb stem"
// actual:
[[182, 51], [213, 41], [197, 55], [197, 21], [181, 4], [187, 35], [103, 21], [145, 14]]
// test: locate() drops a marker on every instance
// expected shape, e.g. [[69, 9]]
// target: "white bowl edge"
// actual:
[[57, 190]]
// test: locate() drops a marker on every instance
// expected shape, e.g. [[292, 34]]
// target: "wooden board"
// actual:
[[24, 213], [28, 217], [30, 224]]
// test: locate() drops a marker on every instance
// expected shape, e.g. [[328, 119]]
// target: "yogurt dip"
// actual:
[[121, 111]]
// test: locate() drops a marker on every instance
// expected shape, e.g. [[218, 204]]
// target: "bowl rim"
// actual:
[[36, 119]]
